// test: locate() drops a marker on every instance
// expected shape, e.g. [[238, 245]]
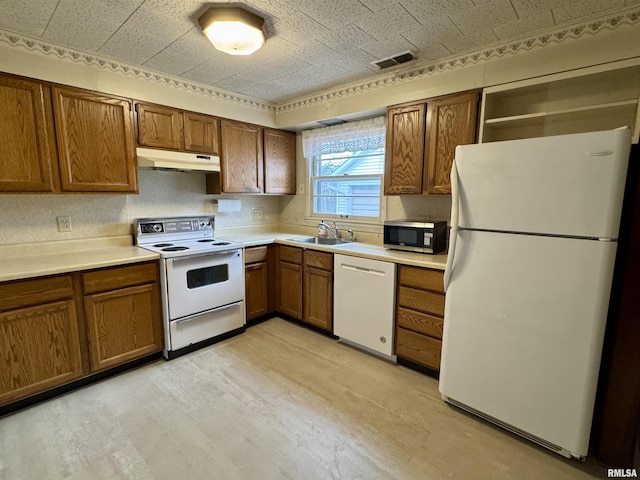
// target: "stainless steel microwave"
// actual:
[[415, 236]]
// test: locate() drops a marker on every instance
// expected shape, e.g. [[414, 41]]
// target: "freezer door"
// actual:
[[565, 185], [523, 331]]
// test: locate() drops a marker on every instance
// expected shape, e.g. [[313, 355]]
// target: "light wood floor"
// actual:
[[277, 402]]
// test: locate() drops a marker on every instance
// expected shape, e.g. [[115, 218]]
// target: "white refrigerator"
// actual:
[[534, 225]]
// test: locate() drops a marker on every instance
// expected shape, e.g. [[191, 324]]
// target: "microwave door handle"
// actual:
[[453, 234]]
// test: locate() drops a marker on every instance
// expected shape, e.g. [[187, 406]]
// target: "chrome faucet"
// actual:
[[335, 232]]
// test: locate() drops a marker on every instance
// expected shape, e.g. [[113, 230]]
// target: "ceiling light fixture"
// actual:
[[233, 30]]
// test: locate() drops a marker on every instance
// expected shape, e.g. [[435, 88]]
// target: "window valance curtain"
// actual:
[[349, 137]]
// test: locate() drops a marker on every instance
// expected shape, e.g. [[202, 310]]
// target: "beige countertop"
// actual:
[[355, 249], [40, 259]]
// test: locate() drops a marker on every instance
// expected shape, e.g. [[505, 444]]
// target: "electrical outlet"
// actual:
[[258, 214], [64, 223]]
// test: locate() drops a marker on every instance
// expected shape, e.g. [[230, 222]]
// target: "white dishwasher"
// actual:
[[363, 303]]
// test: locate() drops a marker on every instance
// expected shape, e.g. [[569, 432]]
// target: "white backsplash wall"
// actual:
[[433, 207], [32, 218]]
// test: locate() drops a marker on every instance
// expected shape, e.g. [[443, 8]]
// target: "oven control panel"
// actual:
[[189, 225]]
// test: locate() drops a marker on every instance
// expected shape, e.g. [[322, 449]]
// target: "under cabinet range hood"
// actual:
[[181, 161]]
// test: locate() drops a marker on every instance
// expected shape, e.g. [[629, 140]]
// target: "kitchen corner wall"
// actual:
[[32, 218]]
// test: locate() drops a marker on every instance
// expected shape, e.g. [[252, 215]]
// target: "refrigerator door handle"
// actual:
[[453, 234]]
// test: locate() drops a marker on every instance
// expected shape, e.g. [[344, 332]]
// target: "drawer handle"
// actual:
[[200, 314]]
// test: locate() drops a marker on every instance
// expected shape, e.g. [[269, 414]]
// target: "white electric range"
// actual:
[[202, 281]]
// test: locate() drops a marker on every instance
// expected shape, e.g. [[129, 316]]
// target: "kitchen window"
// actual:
[[346, 163]]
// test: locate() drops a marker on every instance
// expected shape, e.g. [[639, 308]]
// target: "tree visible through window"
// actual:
[[347, 162]]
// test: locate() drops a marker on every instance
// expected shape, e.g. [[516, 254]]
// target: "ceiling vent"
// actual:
[[395, 60]]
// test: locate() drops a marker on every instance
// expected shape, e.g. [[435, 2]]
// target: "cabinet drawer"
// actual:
[[418, 348], [421, 278], [421, 300], [321, 260], [420, 322], [35, 292], [255, 254], [291, 254], [119, 277]]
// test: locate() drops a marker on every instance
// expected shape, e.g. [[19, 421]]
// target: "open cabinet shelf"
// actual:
[[562, 104]]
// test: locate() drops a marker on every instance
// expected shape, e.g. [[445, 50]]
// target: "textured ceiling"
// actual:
[[311, 45]]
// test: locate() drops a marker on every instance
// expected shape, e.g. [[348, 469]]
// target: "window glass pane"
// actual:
[[201, 277], [354, 196], [350, 163], [346, 169]]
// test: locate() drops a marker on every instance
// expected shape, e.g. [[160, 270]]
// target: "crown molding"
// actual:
[[575, 31], [572, 32], [95, 61]]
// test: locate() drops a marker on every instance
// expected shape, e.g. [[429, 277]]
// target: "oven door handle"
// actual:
[[208, 254], [199, 314]]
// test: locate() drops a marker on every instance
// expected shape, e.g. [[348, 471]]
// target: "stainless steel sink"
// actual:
[[322, 241]]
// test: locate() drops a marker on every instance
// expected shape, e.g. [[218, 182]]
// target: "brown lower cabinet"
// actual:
[[290, 281], [39, 336], [318, 289], [260, 286], [306, 286], [54, 330], [420, 316], [123, 315]]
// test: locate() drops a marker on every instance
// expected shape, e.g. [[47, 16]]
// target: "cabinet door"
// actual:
[[451, 121], [201, 133], [160, 127], [290, 289], [40, 349], [404, 153], [95, 142], [318, 298], [256, 290], [241, 158], [26, 136], [279, 162], [123, 325]]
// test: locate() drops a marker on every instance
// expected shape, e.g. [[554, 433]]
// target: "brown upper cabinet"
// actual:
[[404, 155], [421, 142], [27, 139], [255, 159], [96, 144], [170, 128], [279, 161], [201, 133], [241, 159], [160, 127], [56, 139]]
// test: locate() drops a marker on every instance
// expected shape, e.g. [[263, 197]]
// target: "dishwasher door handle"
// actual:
[[363, 270]]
